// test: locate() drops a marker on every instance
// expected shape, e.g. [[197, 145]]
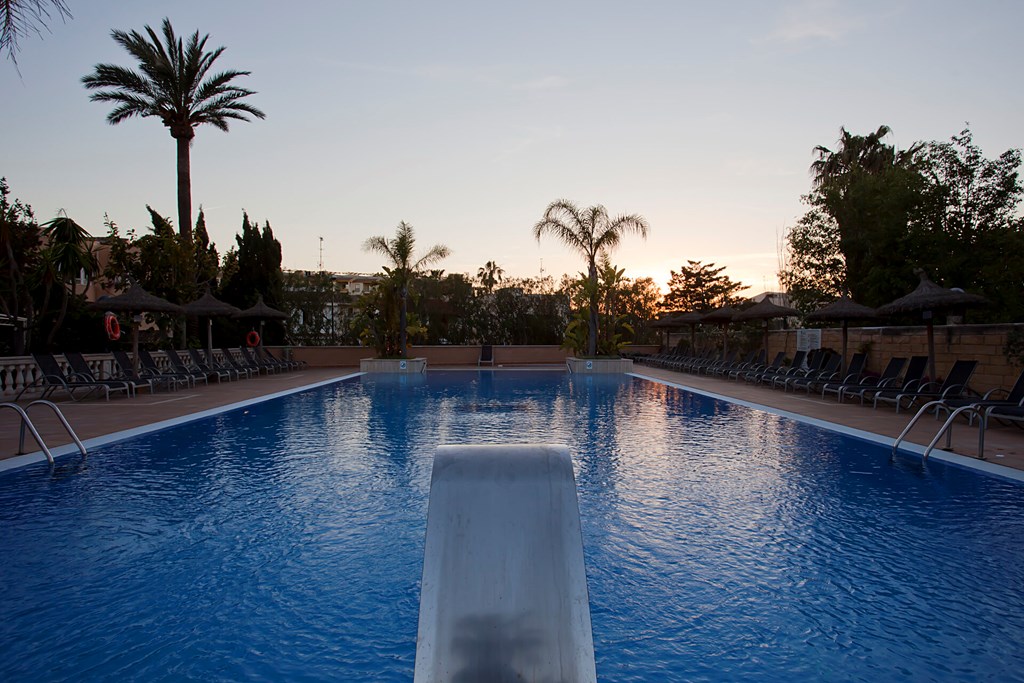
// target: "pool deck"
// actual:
[[95, 419]]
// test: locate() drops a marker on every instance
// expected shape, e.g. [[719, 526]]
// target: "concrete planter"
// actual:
[[583, 366], [400, 365]]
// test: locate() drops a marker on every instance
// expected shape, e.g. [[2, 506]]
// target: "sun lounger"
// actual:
[[814, 378], [954, 386], [229, 359], [842, 389], [211, 369], [53, 378], [910, 381], [487, 355], [250, 360], [835, 362], [150, 364], [141, 377], [81, 368]]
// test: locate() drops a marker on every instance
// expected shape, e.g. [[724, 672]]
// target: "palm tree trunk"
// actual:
[[184, 186], [592, 337], [402, 314], [61, 314]]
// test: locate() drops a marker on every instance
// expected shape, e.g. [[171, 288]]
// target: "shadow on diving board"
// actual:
[[504, 591]]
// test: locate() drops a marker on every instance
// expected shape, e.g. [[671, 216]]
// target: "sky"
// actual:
[[466, 119]]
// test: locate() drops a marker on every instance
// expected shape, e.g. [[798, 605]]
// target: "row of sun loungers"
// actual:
[[181, 369], [901, 384]]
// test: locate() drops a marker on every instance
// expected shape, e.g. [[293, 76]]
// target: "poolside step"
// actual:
[[504, 592]]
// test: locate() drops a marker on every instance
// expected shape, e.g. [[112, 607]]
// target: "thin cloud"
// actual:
[[811, 20], [544, 83]]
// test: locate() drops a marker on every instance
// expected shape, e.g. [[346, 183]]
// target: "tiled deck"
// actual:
[[91, 419]]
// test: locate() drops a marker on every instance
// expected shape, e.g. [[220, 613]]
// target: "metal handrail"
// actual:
[[63, 421], [25, 421]]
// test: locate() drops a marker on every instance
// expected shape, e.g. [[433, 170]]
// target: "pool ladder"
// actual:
[[26, 422], [946, 428]]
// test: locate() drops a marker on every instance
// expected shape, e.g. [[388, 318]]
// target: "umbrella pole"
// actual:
[[135, 345], [932, 376], [693, 339], [725, 340], [209, 340], [764, 329], [261, 332], [844, 360]]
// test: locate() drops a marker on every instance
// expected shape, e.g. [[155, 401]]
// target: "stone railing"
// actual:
[[18, 372]]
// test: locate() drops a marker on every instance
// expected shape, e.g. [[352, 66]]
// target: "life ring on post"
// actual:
[[252, 339], [112, 326]]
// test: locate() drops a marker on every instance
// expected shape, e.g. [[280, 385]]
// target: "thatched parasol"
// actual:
[[764, 310], [135, 300], [263, 312], [677, 320], [843, 309], [721, 316], [929, 298], [207, 306]]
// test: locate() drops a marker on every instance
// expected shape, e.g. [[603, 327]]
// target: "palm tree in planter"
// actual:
[[590, 232], [403, 269], [68, 254], [172, 85]]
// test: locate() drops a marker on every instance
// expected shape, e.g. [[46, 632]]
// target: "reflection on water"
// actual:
[[284, 541]]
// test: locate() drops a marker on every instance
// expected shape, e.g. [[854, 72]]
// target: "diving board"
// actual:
[[504, 591]]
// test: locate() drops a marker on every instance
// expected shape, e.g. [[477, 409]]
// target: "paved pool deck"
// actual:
[[100, 420]]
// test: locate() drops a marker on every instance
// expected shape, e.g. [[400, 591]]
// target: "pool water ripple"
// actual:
[[284, 541]]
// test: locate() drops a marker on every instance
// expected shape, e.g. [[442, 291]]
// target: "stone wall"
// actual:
[[986, 343]]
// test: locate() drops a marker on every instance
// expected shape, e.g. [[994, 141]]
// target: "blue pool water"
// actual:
[[284, 541]]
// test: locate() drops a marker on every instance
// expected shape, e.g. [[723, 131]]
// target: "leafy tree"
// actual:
[[403, 270], [20, 240], [814, 271], [257, 268], [444, 303], [700, 287], [489, 275], [172, 85], [206, 258], [871, 190], [969, 222], [640, 302], [316, 306], [590, 232], [18, 17]]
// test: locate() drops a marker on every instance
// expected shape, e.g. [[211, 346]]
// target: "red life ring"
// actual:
[[113, 327], [252, 339]]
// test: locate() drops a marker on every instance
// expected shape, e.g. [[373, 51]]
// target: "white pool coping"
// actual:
[[954, 459], [99, 441]]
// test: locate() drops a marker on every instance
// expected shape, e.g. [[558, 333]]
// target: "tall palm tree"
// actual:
[[18, 17], [172, 85], [404, 268], [590, 232], [490, 275]]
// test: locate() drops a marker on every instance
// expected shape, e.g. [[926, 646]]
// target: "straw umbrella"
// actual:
[[764, 310], [207, 306], [721, 316], [843, 309], [691, 318], [263, 312], [135, 300], [929, 298]]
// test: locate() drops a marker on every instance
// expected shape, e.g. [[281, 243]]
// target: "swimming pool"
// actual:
[[284, 541]]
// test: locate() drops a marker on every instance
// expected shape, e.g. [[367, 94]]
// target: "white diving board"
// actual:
[[504, 592]]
